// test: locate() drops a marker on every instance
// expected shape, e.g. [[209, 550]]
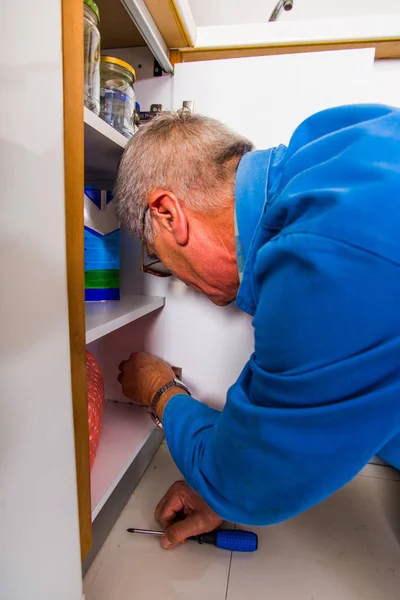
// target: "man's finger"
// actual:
[[172, 491], [160, 505], [179, 532], [122, 365], [168, 508]]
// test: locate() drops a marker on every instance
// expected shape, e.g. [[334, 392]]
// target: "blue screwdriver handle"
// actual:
[[236, 540]]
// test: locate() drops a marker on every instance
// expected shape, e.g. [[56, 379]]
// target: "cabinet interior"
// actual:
[[184, 331], [117, 29], [116, 329]]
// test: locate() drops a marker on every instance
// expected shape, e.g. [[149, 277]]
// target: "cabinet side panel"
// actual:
[[74, 179], [39, 541]]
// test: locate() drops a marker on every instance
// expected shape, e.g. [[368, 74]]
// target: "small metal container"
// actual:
[[117, 95]]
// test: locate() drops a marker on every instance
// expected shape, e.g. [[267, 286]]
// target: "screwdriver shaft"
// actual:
[[146, 531]]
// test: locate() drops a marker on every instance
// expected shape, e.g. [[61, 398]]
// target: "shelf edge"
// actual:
[[111, 510], [109, 491], [156, 303], [95, 122]]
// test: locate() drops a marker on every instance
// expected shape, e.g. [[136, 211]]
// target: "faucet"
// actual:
[[281, 4]]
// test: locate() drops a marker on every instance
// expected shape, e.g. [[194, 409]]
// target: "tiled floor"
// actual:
[[347, 548]]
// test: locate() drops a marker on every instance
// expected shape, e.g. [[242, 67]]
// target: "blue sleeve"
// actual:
[[318, 398]]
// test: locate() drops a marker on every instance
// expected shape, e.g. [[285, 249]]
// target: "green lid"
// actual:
[[94, 8]]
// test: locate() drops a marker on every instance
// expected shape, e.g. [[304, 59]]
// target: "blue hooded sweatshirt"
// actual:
[[319, 225]]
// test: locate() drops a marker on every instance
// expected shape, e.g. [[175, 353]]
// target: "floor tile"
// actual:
[[346, 548], [130, 566]]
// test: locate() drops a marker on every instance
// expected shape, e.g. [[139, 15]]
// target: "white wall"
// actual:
[[39, 541], [227, 12]]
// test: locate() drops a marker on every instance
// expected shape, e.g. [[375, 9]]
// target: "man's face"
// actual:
[[203, 261]]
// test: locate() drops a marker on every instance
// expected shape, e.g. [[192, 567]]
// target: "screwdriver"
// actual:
[[236, 540]]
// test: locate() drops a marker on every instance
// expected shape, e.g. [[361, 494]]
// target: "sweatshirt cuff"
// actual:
[[183, 419]]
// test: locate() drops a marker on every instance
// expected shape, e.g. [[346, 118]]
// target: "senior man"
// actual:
[[305, 238]]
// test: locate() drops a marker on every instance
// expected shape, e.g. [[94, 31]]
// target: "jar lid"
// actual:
[[120, 63], [94, 8]]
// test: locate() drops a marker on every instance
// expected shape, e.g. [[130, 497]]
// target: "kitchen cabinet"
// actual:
[[51, 150], [185, 331]]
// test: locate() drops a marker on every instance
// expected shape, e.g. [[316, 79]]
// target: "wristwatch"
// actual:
[[160, 393]]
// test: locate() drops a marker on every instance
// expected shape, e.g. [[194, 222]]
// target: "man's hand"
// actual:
[[142, 375], [182, 500]]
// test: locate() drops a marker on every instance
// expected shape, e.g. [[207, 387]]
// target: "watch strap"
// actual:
[[161, 392]]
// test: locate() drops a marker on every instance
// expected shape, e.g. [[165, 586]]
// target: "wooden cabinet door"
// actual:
[[72, 42]]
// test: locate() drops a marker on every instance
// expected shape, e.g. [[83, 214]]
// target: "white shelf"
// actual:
[[126, 428], [104, 317], [103, 149]]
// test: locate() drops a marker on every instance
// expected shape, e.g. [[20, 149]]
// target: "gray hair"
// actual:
[[187, 154]]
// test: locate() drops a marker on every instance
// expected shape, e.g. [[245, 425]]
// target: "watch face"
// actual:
[[180, 384]]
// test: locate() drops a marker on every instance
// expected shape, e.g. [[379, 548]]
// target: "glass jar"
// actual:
[[117, 96], [91, 59]]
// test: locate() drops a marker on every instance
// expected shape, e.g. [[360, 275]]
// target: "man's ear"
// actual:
[[169, 216]]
